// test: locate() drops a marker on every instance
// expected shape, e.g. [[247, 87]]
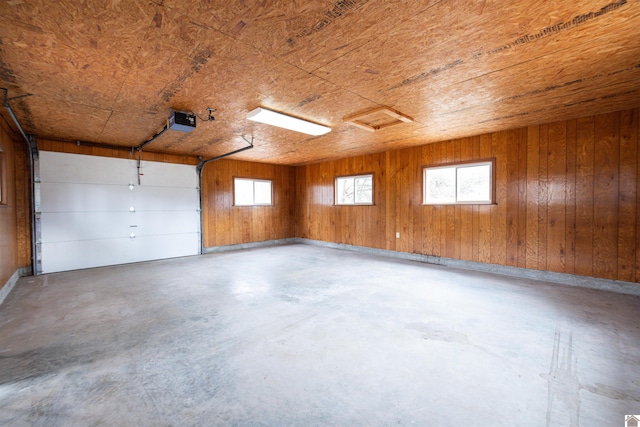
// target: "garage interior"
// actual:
[[137, 291]]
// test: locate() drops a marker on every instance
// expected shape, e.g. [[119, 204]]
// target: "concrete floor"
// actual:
[[302, 335]]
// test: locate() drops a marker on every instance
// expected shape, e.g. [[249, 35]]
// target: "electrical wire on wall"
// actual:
[[167, 127], [139, 147], [208, 119], [139, 165]]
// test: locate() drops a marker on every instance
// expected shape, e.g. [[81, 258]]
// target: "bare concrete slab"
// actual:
[[303, 335]]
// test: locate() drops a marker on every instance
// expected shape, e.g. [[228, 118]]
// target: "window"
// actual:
[[461, 183], [251, 192], [354, 190]]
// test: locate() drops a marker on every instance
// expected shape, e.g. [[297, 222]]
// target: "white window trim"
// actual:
[[253, 180], [335, 190], [456, 166]]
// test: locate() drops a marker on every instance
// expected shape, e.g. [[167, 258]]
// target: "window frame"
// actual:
[[253, 180], [360, 175], [467, 163]]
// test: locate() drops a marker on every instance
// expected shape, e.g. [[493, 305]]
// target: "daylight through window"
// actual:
[[252, 192], [354, 190], [462, 183]]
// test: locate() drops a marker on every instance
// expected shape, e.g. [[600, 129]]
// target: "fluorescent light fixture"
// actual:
[[272, 118]]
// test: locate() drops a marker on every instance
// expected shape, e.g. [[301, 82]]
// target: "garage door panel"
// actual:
[[73, 255], [158, 174], [160, 222], [168, 246], [79, 168], [70, 197], [165, 198], [72, 226]]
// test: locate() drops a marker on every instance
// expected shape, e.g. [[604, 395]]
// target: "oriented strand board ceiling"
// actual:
[[109, 71]]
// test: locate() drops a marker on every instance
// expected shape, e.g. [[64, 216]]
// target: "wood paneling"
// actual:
[[627, 194], [605, 194], [23, 204], [13, 252], [485, 210], [226, 224], [570, 200], [533, 188], [499, 210], [543, 197], [567, 199], [585, 144], [556, 195]]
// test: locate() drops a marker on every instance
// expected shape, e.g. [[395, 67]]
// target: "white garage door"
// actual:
[[94, 213]]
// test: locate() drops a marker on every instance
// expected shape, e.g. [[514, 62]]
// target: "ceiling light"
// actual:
[[272, 118]]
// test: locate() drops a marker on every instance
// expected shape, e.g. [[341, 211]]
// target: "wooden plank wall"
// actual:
[[23, 203], [225, 224], [15, 231], [567, 200]]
